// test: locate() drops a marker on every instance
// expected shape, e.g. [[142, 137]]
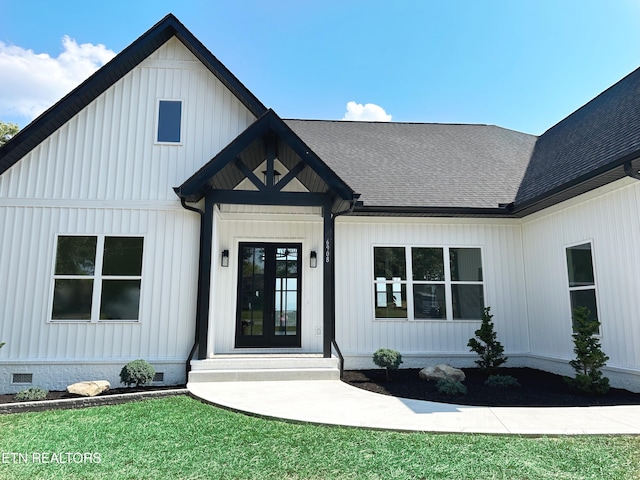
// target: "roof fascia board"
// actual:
[[56, 116], [433, 211]]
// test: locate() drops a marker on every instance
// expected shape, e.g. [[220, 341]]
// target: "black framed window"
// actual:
[[97, 278], [582, 283], [169, 121]]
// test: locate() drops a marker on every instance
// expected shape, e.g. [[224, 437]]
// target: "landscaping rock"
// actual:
[[442, 371], [89, 389]]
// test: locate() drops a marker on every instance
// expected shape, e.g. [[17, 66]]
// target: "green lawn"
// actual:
[[181, 438]]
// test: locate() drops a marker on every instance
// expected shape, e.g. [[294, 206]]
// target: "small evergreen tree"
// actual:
[[486, 344], [387, 359], [589, 355]]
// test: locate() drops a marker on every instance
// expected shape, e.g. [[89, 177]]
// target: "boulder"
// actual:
[[89, 389], [442, 371]]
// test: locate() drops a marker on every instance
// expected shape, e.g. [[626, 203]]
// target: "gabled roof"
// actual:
[[223, 172], [585, 150], [47, 123], [422, 167]]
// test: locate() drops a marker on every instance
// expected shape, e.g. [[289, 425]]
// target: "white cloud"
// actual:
[[32, 82], [366, 113]]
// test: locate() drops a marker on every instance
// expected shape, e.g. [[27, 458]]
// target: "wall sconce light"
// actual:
[[225, 258], [313, 259]]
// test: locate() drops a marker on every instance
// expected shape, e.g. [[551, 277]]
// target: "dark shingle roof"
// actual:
[[597, 138], [422, 164]]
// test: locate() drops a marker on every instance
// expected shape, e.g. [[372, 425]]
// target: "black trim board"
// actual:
[[269, 123], [56, 116]]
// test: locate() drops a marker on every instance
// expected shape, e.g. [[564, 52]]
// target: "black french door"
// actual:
[[269, 295]]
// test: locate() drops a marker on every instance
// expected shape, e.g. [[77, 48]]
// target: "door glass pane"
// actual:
[[122, 256], [468, 302], [72, 299], [466, 264], [580, 265], [286, 292], [389, 263], [252, 291], [120, 300], [429, 301], [428, 264], [76, 255]]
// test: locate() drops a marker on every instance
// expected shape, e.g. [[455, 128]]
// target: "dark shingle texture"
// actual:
[[597, 137], [422, 165]]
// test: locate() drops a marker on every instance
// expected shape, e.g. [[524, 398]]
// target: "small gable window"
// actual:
[[169, 121]]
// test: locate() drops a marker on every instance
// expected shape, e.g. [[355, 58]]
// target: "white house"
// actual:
[[161, 211]]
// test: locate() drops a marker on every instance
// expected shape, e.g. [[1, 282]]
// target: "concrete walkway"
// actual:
[[333, 402]]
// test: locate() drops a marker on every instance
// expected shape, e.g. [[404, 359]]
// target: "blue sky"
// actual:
[[519, 64]]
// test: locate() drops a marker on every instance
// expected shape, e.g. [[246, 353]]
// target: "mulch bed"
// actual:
[[57, 395], [537, 388]]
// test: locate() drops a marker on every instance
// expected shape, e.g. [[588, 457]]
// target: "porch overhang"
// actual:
[[219, 181]]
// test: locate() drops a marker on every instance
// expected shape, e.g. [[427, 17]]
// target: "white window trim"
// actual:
[[97, 278], [409, 282], [593, 287], [157, 121]]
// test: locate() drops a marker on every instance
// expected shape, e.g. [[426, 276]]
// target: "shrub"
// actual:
[[589, 355], [387, 359], [138, 372], [450, 388], [487, 345], [31, 394], [502, 381]]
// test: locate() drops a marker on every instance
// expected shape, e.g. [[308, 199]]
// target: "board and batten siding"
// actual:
[[608, 218], [103, 173], [164, 332], [359, 334], [108, 150], [266, 224]]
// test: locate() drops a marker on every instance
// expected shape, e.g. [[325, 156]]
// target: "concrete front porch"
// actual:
[[264, 367]]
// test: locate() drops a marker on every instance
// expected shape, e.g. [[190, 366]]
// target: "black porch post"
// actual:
[[327, 283], [204, 280]]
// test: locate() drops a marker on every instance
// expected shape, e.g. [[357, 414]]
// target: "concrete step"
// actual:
[[234, 368]]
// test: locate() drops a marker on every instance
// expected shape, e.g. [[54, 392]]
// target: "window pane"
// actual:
[[585, 298], [429, 301], [122, 256], [468, 302], [391, 300], [120, 300], [169, 114], [76, 255], [466, 264], [428, 264], [580, 265], [389, 263], [72, 299]]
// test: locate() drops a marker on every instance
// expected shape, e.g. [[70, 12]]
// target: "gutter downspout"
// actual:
[[352, 205], [183, 202]]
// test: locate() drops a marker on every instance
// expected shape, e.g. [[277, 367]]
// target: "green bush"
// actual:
[[450, 388], [502, 381], [387, 359], [31, 394], [138, 372], [487, 344], [589, 355]]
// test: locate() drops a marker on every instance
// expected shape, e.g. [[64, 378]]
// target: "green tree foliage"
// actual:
[[7, 131], [387, 359], [487, 345], [138, 372], [589, 355]]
